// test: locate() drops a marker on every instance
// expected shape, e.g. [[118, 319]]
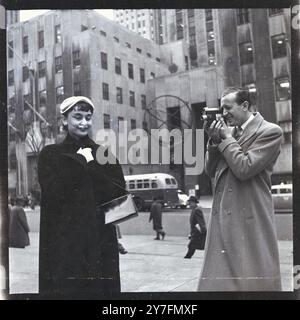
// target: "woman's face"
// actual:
[[78, 122]]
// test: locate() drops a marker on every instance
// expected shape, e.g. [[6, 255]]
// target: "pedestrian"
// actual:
[[78, 251], [18, 225], [156, 217], [241, 253], [198, 228]]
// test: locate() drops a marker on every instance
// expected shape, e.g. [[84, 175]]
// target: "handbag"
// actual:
[[118, 210]]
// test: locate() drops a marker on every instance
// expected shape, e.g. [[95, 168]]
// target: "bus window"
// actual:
[[173, 181], [131, 184], [146, 184], [140, 184], [154, 185], [168, 181]]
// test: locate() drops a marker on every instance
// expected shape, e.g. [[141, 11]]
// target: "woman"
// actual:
[[18, 225], [198, 228], [78, 251]]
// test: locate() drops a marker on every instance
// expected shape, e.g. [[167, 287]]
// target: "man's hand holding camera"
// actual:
[[217, 131]]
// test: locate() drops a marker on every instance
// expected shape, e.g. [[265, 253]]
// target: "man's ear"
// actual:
[[246, 106]]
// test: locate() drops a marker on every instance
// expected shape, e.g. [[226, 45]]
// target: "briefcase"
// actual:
[[118, 210]]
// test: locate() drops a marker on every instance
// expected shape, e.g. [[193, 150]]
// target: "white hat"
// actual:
[[71, 101]]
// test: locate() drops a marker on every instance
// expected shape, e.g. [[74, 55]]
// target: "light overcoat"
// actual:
[[241, 252]]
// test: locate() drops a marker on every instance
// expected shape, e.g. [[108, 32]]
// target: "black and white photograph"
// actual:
[[149, 150]]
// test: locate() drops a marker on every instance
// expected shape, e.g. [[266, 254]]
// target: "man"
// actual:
[[198, 228], [156, 216], [78, 251], [241, 252]]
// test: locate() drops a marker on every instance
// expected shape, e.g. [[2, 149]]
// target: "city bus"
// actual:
[[145, 187]]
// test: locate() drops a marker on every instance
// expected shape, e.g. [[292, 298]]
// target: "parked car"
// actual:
[[183, 199], [282, 195]]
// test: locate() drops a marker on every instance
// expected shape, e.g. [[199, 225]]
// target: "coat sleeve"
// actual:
[[212, 157], [23, 220], [263, 151]]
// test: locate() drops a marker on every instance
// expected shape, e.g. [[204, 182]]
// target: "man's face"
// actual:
[[233, 113], [192, 204], [79, 123]]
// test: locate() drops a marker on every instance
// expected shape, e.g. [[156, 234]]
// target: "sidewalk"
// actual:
[[149, 266]]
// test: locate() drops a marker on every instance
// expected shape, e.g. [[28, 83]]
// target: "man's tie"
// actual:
[[238, 132]]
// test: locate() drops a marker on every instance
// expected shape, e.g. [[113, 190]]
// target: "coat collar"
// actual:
[[251, 128], [86, 142]]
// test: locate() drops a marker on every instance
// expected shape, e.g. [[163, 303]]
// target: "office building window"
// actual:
[[77, 89], [41, 39], [11, 105], [10, 77], [242, 16], [106, 121], [119, 95], [149, 55], [128, 45], [59, 94], [208, 14], [116, 39], [10, 49], [186, 61], [104, 60], [131, 99], [76, 58], [43, 98], [279, 46], [42, 69], [120, 120], [133, 124], [152, 75], [209, 26], [105, 91], [130, 71], [283, 90], [142, 75], [139, 50], [143, 101], [139, 24], [25, 44], [211, 48], [25, 73], [274, 11], [58, 64], [103, 33], [191, 13], [57, 34], [118, 69], [145, 126], [27, 99], [246, 53]]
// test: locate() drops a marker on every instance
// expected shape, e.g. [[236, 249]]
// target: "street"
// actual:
[[149, 266]]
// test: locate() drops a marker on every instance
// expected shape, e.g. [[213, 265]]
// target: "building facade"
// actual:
[[195, 54]]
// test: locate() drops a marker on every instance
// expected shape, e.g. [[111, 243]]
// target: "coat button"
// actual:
[[228, 212]]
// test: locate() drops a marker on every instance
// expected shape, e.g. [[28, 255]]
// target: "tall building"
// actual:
[[140, 21], [195, 54]]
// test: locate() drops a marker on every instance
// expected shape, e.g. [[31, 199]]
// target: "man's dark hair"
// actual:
[[242, 94]]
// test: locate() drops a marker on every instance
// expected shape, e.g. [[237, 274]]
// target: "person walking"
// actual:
[[156, 217], [198, 228], [18, 225]]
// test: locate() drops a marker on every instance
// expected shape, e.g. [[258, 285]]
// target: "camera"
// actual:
[[211, 114]]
